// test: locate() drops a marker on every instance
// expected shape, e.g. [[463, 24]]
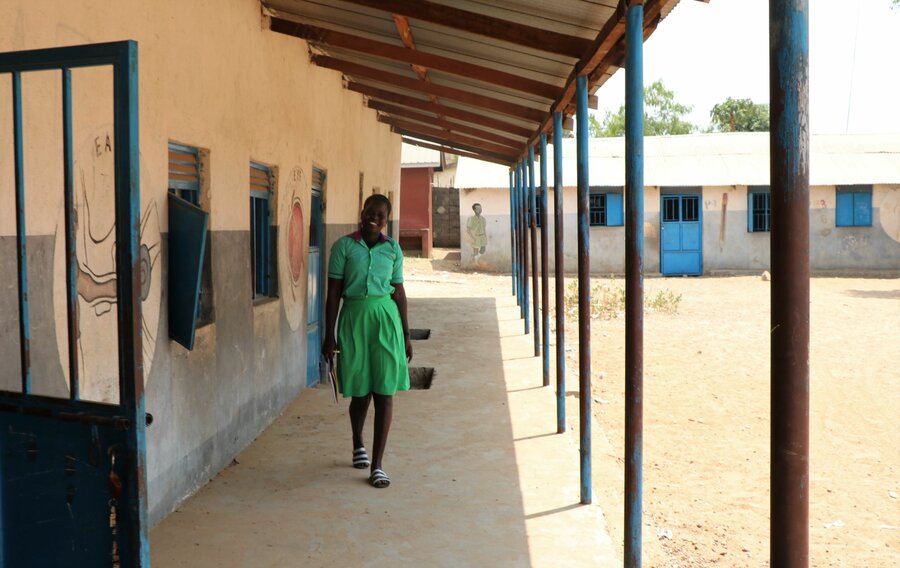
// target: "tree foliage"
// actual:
[[663, 115], [740, 115]]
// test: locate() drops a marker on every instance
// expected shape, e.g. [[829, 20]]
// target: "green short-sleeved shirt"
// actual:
[[366, 272]]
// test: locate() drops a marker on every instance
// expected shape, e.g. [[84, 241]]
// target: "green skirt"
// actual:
[[372, 357]]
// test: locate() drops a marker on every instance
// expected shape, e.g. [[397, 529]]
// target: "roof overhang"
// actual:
[[476, 78]]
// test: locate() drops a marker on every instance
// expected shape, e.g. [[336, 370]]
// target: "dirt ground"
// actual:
[[706, 419]]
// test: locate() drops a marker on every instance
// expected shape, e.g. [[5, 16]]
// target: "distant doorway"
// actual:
[[315, 291], [681, 235]]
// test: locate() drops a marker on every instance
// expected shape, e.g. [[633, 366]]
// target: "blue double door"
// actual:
[[681, 235]]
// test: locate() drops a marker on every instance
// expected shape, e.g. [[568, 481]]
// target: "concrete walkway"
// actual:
[[479, 475]]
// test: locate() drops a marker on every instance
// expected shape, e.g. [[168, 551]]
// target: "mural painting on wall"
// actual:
[[291, 230], [476, 229], [96, 272]]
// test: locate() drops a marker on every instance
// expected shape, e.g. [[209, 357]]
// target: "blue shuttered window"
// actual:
[[186, 179], [606, 209], [853, 206], [185, 172], [759, 210], [261, 231]]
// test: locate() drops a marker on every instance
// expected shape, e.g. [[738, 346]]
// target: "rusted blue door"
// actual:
[[72, 488], [315, 289]]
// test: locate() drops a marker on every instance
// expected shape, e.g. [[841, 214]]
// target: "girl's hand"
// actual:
[[328, 347], [409, 349]]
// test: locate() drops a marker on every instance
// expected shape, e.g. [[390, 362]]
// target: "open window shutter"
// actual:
[[614, 212], [187, 244]]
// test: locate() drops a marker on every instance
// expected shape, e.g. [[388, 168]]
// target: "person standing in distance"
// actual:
[[372, 345]]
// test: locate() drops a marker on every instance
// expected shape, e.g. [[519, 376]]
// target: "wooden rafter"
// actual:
[[444, 124], [415, 58], [453, 112], [472, 22], [506, 158], [472, 99], [409, 126], [451, 150]]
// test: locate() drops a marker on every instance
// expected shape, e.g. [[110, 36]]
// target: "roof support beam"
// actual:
[[416, 58], [451, 150], [444, 124], [472, 149], [498, 149], [354, 69], [472, 117], [472, 22]]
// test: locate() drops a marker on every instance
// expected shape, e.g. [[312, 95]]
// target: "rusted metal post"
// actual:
[[789, 175], [69, 214], [520, 291], [558, 202], [634, 280], [526, 216], [545, 273], [512, 232], [532, 201], [21, 234], [584, 285]]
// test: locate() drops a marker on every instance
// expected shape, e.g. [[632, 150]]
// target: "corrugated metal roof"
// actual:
[[416, 157], [479, 76], [713, 159]]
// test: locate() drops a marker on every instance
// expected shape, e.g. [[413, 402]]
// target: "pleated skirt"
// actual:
[[372, 350]]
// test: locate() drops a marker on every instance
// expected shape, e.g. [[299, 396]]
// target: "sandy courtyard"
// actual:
[[706, 419]]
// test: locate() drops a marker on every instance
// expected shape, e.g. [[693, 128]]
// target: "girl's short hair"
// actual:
[[378, 199]]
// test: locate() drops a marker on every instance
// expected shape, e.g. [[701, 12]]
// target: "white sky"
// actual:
[[708, 52]]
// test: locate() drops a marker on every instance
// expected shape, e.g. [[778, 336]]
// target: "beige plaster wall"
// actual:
[[211, 75]]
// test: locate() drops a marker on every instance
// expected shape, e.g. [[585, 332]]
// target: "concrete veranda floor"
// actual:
[[479, 475]]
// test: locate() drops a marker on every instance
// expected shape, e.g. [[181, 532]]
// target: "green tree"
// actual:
[[740, 115], [662, 115]]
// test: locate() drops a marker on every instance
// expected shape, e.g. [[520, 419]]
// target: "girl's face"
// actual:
[[374, 218]]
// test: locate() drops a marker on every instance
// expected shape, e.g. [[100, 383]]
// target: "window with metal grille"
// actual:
[[187, 173], [605, 209], [537, 211], [853, 207], [262, 239], [690, 208], [759, 213], [671, 211]]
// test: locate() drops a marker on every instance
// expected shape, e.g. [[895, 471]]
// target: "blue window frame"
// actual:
[[261, 230], [605, 209], [185, 172], [759, 210], [853, 206]]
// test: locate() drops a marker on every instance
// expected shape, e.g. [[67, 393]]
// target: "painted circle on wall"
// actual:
[[295, 241], [292, 251]]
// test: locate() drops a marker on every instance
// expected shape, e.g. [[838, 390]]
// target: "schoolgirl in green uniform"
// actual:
[[372, 343]]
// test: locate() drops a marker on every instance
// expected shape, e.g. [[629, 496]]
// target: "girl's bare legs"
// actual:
[[359, 407], [384, 412]]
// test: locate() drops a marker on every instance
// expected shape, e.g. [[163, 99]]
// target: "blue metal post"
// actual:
[[789, 175], [545, 274], [532, 208], [512, 231], [526, 217], [634, 279], [584, 285], [19, 160], [520, 286], [69, 213], [558, 202]]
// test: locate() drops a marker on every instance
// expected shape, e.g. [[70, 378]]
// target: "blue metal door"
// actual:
[[72, 486], [315, 290], [681, 235]]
